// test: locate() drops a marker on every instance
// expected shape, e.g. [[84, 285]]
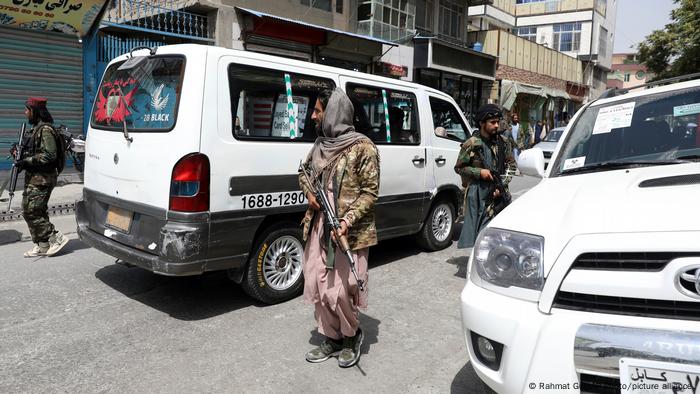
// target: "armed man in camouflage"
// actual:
[[485, 155], [521, 134], [42, 162], [348, 163]]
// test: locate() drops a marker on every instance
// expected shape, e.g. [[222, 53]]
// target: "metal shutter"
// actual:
[[39, 64]]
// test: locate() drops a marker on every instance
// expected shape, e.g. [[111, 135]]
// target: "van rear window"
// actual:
[[146, 97], [273, 105]]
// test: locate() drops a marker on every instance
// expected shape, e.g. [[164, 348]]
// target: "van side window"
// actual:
[[446, 120], [380, 110], [262, 106]]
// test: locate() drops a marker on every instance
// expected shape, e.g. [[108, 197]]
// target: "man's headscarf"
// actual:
[[488, 111], [338, 132]]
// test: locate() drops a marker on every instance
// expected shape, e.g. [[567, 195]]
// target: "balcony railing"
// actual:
[[158, 15], [517, 52], [556, 6]]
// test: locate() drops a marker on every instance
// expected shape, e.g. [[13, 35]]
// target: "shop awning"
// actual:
[[312, 26], [511, 89], [73, 17]]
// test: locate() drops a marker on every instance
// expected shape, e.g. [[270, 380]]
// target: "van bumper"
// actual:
[[166, 247], [137, 258]]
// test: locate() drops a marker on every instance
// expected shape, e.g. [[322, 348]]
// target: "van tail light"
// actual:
[[189, 184]]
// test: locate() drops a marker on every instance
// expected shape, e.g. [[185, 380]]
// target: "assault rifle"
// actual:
[[504, 199], [331, 219], [16, 153]]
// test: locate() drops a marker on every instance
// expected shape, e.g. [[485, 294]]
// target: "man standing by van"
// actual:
[[347, 163], [42, 163], [482, 156]]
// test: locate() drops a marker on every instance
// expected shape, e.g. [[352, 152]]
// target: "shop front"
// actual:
[[41, 47], [535, 103], [466, 75]]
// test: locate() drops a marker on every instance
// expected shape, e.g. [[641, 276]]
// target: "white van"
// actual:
[[590, 281], [192, 159]]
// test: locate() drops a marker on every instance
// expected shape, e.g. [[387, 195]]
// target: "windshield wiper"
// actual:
[[688, 158], [611, 165]]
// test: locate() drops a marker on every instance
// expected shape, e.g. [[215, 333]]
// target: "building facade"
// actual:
[[563, 48], [627, 72]]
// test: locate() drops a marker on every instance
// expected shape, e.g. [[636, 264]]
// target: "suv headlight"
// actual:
[[508, 259]]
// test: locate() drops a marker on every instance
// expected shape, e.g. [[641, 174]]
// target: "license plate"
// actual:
[[119, 219], [657, 377]]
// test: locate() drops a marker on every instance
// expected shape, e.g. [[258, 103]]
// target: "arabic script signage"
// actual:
[[65, 16]]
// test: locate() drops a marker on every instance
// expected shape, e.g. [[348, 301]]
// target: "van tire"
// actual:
[[439, 226], [275, 272]]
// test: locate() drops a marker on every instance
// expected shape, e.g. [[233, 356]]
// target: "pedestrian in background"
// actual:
[[42, 162], [347, 163], [523, 136], [539, 127]]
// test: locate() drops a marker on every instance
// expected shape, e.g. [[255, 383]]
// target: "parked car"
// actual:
[[192, 159], [600, 291], [549, 143]]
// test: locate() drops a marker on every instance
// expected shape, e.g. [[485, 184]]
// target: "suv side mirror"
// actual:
[[531, 162]]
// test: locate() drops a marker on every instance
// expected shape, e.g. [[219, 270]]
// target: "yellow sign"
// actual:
[[66, 16]]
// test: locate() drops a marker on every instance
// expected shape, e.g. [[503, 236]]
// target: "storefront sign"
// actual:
[[394, 70], [65, 16]]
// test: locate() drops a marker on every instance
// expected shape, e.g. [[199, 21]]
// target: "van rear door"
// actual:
[[144, 120]]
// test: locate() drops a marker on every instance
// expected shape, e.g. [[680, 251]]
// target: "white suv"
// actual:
[[590, 282]]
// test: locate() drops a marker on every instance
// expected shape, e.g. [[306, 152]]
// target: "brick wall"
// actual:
[[528, 77]]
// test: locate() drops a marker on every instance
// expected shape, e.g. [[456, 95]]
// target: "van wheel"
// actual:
[[438, 228], [275, 271]]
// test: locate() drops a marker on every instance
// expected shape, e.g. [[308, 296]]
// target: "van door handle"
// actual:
[[418, 160], [440, 160]]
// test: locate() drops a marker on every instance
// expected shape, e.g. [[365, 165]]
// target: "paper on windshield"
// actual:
[[574, 162], [613, 117], [689, 109]]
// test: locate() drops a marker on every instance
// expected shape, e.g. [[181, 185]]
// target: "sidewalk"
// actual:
[[62, 200]]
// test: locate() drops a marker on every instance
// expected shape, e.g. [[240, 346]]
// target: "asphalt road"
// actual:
[[79, 323]]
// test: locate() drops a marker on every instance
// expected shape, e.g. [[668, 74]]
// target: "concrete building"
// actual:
[[564, 45], [627, 72]]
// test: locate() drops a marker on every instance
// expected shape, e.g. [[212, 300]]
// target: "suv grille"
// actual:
[[636, 261], [644, 307], [547, 155]]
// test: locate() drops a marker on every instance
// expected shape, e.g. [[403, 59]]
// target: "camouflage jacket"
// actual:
[[42, 153], [357, 177], [470, 161], [524, 136]]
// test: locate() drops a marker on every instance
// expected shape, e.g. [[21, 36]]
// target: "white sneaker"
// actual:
[[38, 250], [56, 242]]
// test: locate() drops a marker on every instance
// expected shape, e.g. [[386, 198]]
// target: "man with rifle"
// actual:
[[345, 165], [42, 159], [482, 160]]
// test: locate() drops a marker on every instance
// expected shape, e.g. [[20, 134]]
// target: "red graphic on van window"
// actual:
[[114, 107]]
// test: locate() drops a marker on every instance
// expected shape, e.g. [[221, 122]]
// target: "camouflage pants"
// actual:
[[35, 206]]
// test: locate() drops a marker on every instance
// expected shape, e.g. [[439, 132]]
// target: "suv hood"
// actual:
[[605, 202]]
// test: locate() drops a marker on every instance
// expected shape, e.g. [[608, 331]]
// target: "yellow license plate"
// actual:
[[119, 219]]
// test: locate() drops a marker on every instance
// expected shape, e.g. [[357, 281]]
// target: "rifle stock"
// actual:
[[331, 219], [14, 173]]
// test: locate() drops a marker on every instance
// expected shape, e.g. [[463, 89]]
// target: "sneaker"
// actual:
[[56, 242], [38, 250], [350, 354], [328, 349]]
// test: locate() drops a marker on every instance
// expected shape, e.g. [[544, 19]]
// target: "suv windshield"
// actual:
[[146, 97], [648, 130]]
